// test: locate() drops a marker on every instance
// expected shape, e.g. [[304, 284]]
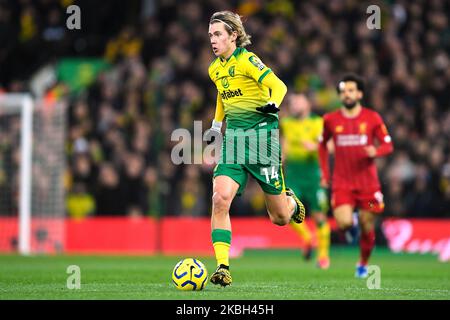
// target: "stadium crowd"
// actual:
[[119, 135]]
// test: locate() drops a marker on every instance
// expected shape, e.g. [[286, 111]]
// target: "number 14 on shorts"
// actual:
[[273, 173]]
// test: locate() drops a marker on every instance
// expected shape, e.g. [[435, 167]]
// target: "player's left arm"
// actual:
[[277, 88], [382, 135], [262, 74]]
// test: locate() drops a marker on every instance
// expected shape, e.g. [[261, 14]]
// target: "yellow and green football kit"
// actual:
[[251, 143], [303, 176], [302, 165]]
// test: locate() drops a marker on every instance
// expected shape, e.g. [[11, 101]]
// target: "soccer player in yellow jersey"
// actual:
[[249, 96], [301, 132]]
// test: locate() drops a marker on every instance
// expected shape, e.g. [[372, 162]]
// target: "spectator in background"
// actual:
[[79, 202], [190, 194], [84, 172], [133, 191], [153, 192], [127, 44], [445, 187], [420, 199], [109, 194]]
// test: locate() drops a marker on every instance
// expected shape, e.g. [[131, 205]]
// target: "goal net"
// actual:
[[32, 164]]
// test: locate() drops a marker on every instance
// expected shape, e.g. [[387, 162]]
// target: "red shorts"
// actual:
[[367, 200]]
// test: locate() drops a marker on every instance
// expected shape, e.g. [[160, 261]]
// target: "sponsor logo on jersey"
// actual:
[[256, 62], [351, 140], [226, 94], [339, 129]]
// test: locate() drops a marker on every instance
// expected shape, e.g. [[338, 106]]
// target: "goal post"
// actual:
[[25, 173], [32, 165]]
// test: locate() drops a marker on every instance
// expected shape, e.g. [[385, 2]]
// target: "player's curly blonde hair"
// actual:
[[232, 22]]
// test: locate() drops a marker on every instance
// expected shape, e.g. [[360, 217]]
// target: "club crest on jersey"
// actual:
[[231, 71], [256, 62], [225, 83]]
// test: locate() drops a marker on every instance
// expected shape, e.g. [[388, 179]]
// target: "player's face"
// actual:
[[349, 94], [299, 104], [221, 41]]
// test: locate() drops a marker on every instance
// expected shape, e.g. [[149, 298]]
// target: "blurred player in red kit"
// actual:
[[359, 136]]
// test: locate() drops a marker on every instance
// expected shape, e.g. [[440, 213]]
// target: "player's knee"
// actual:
[[221, 202], [344, 224], [367, 227], [279, 219]]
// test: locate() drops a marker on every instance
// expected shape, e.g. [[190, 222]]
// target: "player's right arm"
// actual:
[[323, 154], [216, 125], [220, 112]]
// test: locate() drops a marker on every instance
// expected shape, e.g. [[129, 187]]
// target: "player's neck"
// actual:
[[304, 115], [226, 55], [352, 113]]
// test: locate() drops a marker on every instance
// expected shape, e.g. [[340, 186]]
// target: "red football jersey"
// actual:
[[353, 168]]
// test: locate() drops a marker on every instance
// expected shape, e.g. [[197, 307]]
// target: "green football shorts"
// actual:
[[255, 152], [304, 180]]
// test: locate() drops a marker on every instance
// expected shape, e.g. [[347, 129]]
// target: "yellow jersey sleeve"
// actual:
[[258, 71], [220, 113], [277, 88], [254, 68]]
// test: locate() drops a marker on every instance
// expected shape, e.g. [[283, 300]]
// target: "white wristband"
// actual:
[[216, 125]]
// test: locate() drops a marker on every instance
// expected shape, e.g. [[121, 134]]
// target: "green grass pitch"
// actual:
[[256, 275]]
